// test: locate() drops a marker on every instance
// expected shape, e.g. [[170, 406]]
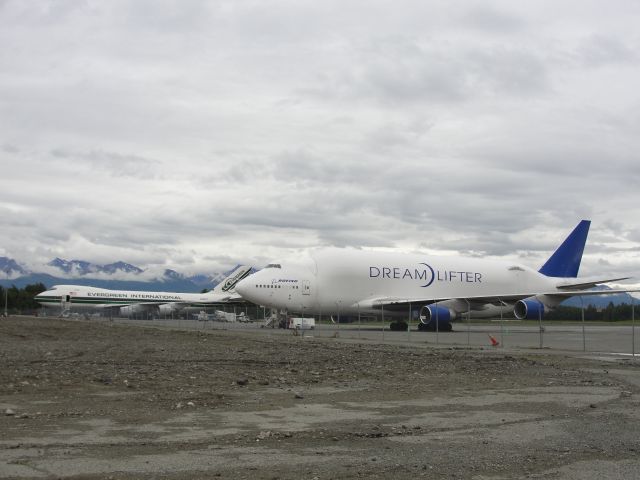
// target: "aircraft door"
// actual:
[[306, 287], [65, 302]]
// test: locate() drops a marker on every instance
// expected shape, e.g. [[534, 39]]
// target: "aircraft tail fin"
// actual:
[[228, 284], [565, 261]]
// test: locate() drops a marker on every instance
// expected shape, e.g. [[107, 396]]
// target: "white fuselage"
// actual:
[[100, 298], [340, 281]]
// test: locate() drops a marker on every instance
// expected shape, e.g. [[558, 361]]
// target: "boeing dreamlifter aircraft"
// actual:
[[127, 302], [350, 282]]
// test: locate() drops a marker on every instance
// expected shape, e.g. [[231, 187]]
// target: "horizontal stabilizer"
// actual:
[[586, 283]]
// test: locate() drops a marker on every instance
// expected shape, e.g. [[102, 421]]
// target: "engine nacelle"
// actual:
[[169, 308], [434, 318], [131, 310], [528, 309]]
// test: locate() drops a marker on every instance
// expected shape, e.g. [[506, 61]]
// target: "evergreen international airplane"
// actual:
[[128, 302]]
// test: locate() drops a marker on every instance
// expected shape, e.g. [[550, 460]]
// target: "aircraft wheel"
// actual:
[[400, 326]]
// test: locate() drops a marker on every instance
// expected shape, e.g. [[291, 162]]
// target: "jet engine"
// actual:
[[169, 308], [128, 310], [528, 309], [435, 318]]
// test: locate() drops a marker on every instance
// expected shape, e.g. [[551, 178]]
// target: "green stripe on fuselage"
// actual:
[[119, 302]]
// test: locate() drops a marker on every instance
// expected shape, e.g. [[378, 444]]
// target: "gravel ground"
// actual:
[[94, 400]]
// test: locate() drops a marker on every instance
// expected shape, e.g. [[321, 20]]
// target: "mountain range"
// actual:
[[118, 276]]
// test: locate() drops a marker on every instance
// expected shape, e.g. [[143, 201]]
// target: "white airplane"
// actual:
[[353, 282], [127, 302]]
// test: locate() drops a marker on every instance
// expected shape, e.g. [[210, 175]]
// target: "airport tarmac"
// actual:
[[98, 399], [610, 339]]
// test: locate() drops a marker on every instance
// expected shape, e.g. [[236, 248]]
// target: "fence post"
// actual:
[[540, 324], [437, 325], [633, 326], [502, 304], [468, 322], [409, 324], [584, 336]]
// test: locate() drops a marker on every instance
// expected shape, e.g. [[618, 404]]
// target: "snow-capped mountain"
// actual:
[[117, 275], [81, 267], [9, 268], [203, 281], [111, 268]]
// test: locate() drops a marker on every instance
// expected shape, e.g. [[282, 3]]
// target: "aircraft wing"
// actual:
[[391, 302], [589, 293], [397, 302]]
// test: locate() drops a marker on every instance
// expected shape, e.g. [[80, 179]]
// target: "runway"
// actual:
[[614, 340]]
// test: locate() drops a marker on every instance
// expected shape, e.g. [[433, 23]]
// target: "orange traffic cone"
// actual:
[[494, 342]]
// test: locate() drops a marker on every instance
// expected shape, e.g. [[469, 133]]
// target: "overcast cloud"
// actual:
[[195, 135]]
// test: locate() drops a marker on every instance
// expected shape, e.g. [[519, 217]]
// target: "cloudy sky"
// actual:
[[195, 135]]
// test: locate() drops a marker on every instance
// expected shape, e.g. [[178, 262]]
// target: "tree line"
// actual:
[[20, 300], [610, 313]]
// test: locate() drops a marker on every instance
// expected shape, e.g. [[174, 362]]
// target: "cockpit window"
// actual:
[[273, 265]]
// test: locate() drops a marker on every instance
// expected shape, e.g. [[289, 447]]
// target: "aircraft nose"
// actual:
[[242, 288]]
